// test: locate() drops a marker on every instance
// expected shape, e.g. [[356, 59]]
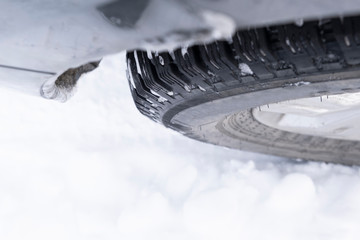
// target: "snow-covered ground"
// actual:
[[94, 168]]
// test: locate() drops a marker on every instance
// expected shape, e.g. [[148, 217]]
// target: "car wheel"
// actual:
[[276, 90]]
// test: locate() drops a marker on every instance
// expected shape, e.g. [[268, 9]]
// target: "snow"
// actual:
[[301, 83], [160, 99], [223, 25], [137, 63], [94, 168], [245, 69], [299, 22], [184, 51], [288, 43], [161, 60]]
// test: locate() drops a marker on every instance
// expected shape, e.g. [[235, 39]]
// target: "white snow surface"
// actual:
[[94, 168], [245, 69]]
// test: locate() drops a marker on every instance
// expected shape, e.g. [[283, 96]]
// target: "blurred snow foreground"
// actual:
[[94, 168]]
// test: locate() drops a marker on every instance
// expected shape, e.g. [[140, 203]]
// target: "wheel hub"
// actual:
[[335, 116]]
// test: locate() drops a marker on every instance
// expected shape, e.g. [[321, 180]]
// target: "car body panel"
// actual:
[[39, 37]]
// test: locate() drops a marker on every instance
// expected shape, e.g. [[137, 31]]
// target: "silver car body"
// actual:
[[40, 39]]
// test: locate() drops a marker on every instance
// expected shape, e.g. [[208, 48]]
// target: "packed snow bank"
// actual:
[[94, 168]]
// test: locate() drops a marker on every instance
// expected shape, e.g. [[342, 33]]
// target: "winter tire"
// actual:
[[209, 92]]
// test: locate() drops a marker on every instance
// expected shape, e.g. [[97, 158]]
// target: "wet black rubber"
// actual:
[[207, 91]]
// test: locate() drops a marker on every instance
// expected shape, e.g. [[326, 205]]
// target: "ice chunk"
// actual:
[[149, 54], [245, 69], [162, 99], [161, 60], [184, 51], [299, 22]]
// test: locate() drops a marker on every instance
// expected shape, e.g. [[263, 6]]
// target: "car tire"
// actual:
[[207, 91]]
